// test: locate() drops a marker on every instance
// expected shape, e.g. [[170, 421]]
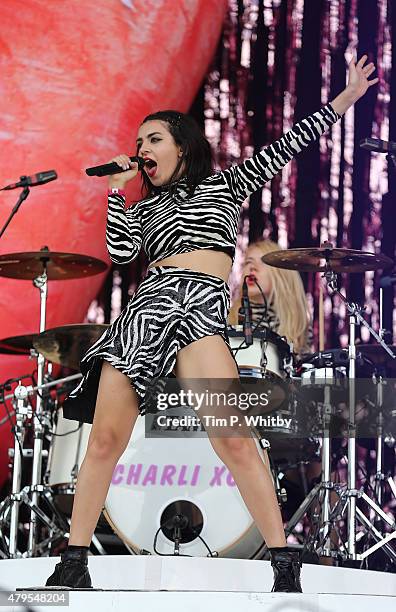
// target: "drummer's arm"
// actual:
[[123, 230]]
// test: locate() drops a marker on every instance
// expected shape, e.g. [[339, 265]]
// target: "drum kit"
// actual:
[[161, 497]]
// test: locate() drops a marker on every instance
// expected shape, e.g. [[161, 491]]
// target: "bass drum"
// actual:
[[160, 478]]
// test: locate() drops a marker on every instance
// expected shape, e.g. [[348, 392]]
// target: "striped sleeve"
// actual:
[[123, 230], [245, 178]]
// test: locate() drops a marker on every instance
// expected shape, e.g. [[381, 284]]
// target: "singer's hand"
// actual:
[[358, 81], [358, 84], [120, 180]]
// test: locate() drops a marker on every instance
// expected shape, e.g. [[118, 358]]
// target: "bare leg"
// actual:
[[115, 415], [210, 358]]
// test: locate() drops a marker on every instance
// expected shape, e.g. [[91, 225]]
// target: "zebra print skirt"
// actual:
[[171, 308]]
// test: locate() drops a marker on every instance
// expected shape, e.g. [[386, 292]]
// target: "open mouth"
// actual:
[[150, 167], [251, 279]]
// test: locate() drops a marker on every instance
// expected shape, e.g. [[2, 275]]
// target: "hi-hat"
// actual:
[[59, 266], [326, 258], [66, 345]]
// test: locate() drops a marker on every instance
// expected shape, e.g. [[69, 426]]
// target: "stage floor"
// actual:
[[171, 584]]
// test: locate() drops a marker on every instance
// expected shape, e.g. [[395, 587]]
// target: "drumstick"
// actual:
[[321, 318]]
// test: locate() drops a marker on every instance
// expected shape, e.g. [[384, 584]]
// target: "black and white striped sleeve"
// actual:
[[123, 230], [245, 178]]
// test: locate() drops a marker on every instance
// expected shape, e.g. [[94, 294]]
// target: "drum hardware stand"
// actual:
[[23, 411], [277, 475], [41, 282], [11, 505], [31, 390], [348, 496], [351, 493], [379, 381], [321, 491], [9, 508]]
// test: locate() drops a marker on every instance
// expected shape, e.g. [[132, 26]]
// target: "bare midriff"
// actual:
[[207, 261]]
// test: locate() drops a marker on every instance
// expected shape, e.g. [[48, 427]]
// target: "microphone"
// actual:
[[379, 146], [387, 281], [31, 181], [247, 319], [113, 167]]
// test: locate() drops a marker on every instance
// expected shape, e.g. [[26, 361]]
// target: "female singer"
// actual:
[[176, 320]]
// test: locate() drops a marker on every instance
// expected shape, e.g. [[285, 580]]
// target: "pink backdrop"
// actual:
[[77, 78]]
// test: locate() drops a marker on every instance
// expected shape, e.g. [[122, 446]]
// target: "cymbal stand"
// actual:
[[41, 282], [351, 493], [379, 476], [320, 493], [379, 381], [23, 412]]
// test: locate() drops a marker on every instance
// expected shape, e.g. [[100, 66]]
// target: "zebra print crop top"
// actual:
[[170, 222]]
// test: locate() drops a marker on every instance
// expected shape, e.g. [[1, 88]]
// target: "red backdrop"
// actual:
[[77, 78]]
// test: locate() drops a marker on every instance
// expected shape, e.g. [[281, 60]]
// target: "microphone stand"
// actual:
[[23, 195], [247, 318]]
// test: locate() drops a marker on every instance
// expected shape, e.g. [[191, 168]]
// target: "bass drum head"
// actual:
[[158, 478]]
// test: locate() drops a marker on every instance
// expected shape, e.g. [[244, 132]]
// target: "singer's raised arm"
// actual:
[[245, 178], [123, 230], [253, 173]]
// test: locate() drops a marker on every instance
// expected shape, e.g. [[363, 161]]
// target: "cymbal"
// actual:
[[338, 260], [59, 266], [376, 354], [18, 345], [67, 344]]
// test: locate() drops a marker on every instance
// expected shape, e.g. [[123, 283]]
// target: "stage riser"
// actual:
[[153, 573], [223, 602]]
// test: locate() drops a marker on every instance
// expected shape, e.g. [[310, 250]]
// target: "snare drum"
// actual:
[[267, 356]]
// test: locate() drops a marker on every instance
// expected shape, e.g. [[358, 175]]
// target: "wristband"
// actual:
[[116, 191]]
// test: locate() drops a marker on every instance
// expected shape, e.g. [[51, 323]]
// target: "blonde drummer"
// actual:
[[277, 298]]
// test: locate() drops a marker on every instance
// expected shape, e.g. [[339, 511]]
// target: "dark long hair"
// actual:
[[197, 153]]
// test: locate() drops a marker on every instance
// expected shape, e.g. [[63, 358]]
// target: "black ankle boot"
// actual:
[[286, 565], [72, 572]]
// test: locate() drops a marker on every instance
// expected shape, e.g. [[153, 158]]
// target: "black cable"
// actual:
[[34, 380], [180, 555], [67, 433], [204, 543]]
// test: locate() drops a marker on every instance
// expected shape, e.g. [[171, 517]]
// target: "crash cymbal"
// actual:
[[67, 344], [18, 345], [324, 258], [59, 266]]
